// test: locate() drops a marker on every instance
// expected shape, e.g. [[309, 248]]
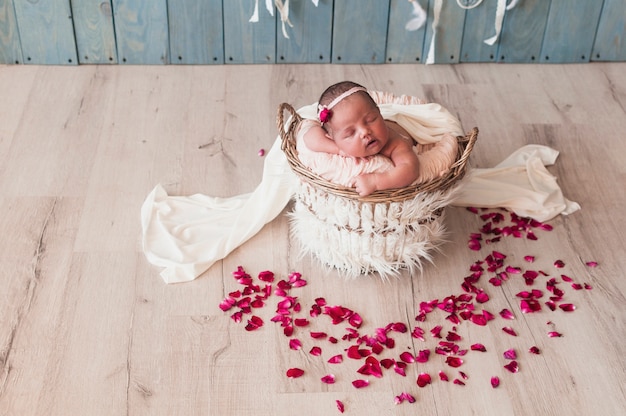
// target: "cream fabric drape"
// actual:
[[186, 235]]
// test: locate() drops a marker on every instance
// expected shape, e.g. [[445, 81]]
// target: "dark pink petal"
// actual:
[[316, 351], [507, 314], [400, 367], [513, 367], [371, 367], [418, 333], [567, 307], [266, 276], [509, 331], [254, 323], [407, 357], [301, 322], [495, 382], [295, 344], [294, 373], [510, 354], [577, 286], [592, 264], [588, 286], [336, 359], [355, 320], [398, 327], [478, 347], [422, 356], [463, 375], [474, 245], [227, 303], [513, 270], [261, 152], [551, 304], [318, 335], [328, 379], [459, 382], [237, 316], [529, 259], [436, 331], [529, 305], [387, 363], [559, 264], [566, 278], [554, 334], [404, 396], [482, 297], [534, 350], [340, 406], [423, 379], [443, 376], [288, 330], [479, 319], [360, 383], [454, 361], [453, 336], [488, 315]]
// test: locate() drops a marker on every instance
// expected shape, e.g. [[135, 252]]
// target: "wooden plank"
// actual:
[[310, 38], [610, 42], [141, 31], [522, 32], [359, 31], [46, 32], [10, 50], [248, 42], [570, 31], [196, 32], [449, 33], [404, 46], [479, 25], [95, 35]]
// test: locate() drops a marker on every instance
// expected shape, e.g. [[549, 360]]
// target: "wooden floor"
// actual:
[[87, 327]]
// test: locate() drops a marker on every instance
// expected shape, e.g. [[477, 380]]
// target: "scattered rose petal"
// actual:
[[507, 314], [404, 396], [423, 379], [567, 307], [337, 359], [534, 350], [509, 331], [422, 356], [340, 406], [360, 383], [478, 347], [316, 351], [454, 361], [529, 259], [513, 367], [328, 379], [443, 376], [295, 344], [495, 381], [418, 333], [254, 323], [261, 152], [458, 382], [554, 334], [294, 373], [592, 264], [559, 264], [510, 354], [407, 357]]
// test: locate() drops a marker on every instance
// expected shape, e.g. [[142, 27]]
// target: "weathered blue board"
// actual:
[[95, 35], [570, 30], [141, 31], [404, 46], [196, 32], [310, 38], [10, 49], [479, 25], [610, 42], [246, 42], [359, 31], [449, 32], [522, 32], [46, 31]]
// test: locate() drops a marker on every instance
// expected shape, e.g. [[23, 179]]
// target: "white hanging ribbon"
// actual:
[[431, 51], [500, 10], [283, 10], [419, 17], [255, 14]]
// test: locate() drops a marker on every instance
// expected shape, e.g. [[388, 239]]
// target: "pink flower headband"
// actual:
[[325, 111]]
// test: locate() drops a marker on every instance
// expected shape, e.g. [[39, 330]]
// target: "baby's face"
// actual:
[[357, 127]]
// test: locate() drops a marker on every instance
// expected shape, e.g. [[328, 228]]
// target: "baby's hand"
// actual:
[[365, 184]]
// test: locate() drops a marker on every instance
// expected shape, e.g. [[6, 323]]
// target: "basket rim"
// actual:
[[288, 129]]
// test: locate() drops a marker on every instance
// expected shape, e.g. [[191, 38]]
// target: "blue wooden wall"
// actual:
[[72, 32]]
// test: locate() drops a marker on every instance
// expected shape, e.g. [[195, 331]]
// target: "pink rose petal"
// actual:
[[495, 381], [507, 314], [454, 361], [458, 382], [509, 331], [478, 347], [316, 351], [261, 152], [567, 307], [554, 334], [254, 323], [407, 357], [295, 344], [423, 379], [559, 264], [592, 264], [294, 373], [529, 259], [422, 356], [513, 367], [336, 359], [328, 379], [534, 350], [443, 376], [360, 383], [510, 354], [340, 406]]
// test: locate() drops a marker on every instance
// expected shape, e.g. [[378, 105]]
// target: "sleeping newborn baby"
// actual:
[[366, 151]]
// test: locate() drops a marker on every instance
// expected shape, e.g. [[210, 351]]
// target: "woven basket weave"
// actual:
[[381, 233]]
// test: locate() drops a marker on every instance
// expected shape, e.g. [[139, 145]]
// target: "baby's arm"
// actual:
[[403, 173], [318, 140]]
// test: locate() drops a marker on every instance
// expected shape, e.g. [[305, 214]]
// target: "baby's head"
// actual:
[[352, 119]]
